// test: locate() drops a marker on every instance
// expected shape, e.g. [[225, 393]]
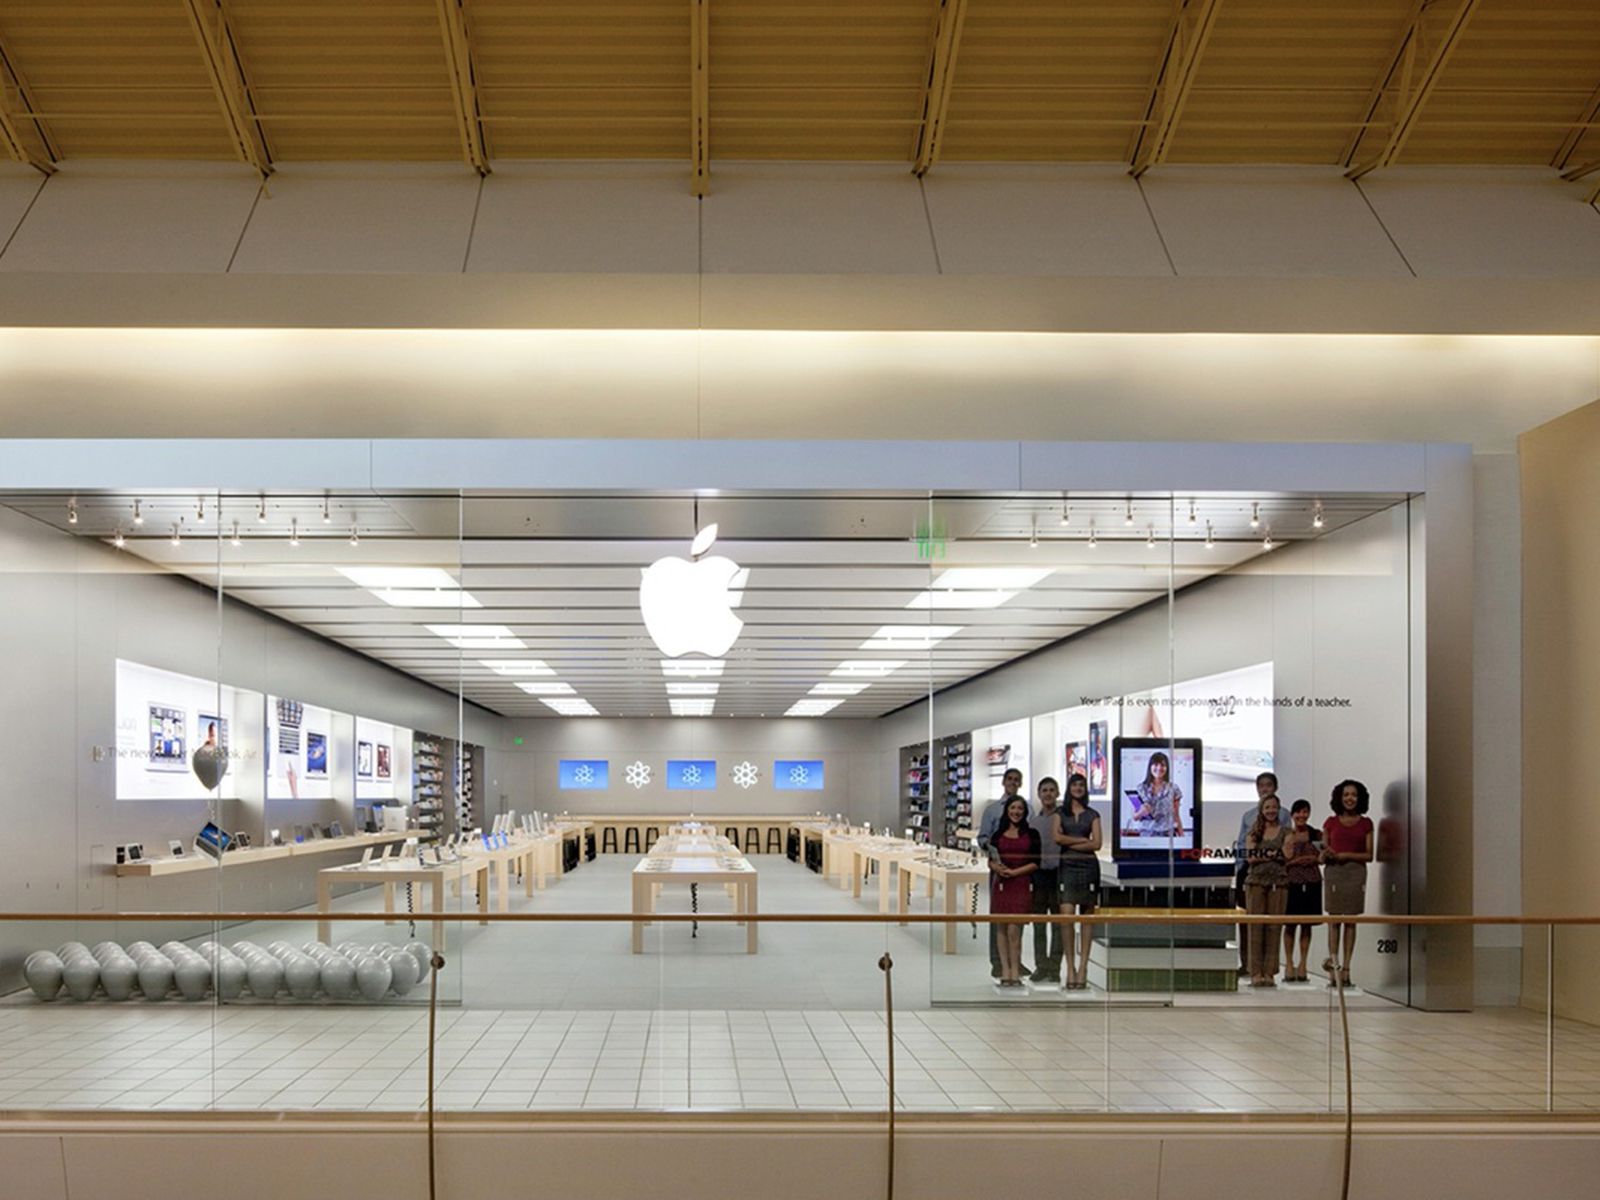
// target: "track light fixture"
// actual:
[[1128, 517], [117, 539], [355, 537], [1033, 537], [72, 511], [327, 517], [200, 509], [177, 536], [1093, 541], [1150, 538], [1192, 517], [1211, 541], [235, 539], [261, 512], [1066, 514], [1255, 514], [294, 531], [1316, 516], [138, 517], [1267, 543]]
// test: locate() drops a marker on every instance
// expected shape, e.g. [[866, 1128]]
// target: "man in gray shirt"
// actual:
[[1047, 885], [1010, 785]]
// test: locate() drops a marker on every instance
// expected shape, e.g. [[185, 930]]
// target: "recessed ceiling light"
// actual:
[[572, 707], [812, 708], [910, 637], [427, 597], [960, 599], [692, 668], [692, 689], [399, 577], [869, 668], [692, 708], [477, 637], [547, 687], [982, 578], [839, 689], [516, 666]]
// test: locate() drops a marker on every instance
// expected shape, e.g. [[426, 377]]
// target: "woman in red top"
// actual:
[[1347, 849], [1017, 845]]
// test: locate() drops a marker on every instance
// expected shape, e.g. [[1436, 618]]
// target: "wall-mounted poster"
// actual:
[[383, 761], [167, 740], [363, 760], [385, 767], [1099, 766], [213, 731], [316, 753], [1077, 759]]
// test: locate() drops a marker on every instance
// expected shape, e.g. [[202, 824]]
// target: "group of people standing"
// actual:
[[1042, 861], [1289, 868], [1045, 860]]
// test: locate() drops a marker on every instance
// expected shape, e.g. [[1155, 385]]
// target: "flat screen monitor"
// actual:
[[1155, 797]]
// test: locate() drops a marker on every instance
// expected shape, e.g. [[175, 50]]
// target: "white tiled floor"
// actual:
[[563, 1017]]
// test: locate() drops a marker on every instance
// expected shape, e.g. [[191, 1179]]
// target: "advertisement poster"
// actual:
[[167, 739], [162, 717], [1157, 804], [1099, 765], [1077, 758], [385, 766], [363, 760]]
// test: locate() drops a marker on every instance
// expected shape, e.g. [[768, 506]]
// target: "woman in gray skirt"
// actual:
[[1346, 851], [1077, 832]]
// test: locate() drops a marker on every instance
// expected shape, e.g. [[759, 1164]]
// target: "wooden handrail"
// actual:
[[1177, 917]]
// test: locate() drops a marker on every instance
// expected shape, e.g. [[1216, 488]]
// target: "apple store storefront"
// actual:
[[621, 750]]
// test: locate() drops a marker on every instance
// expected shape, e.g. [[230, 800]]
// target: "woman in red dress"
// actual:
[[1010, 890]]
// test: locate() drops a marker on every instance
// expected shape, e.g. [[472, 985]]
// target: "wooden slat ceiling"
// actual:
[[1222, 81]]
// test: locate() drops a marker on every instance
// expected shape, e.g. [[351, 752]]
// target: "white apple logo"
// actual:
[[688, 606]]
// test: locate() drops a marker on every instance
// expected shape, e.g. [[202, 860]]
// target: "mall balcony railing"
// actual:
[[429, 1022]]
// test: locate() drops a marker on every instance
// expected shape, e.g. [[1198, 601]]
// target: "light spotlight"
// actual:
[[200, 509], [327, 517], [1267, 543], [235, 538], [294, 531], [1066, 514], [177, 536], [1033, 538], [1255, 515], [1316, 516], [261, 512], [138, 517], [1192, 518], [1093, 542], [1128, 518], [1211, 541], [117, 539], [1150, 538], [72, 512], [355, 537]]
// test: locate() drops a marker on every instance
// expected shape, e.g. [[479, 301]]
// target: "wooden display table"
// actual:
[[529, 855], [886, 853], [403, 870], [960, 881], [654, 872], [837, 860], [198, 861]]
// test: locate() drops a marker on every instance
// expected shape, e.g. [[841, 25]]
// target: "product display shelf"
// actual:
[[196, 861], [427, 781], [957, 758], [466, 785], [916, 791]]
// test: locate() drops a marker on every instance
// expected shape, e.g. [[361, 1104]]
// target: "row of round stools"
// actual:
[[631, 843]]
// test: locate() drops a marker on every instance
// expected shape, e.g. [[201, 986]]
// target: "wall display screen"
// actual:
[[163, 717], [585, 774], [1157, 802], [1099, 760], [363, 760], [300, 749], [691, 774], [798, 775], [1232, 712]]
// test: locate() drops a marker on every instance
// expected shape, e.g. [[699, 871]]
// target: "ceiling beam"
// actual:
[[1400, 60], [1410, 99], [1187, 38], [948, 18], [1562, 158], [700, 95], [221, 55], [463, 83], [11, 126]]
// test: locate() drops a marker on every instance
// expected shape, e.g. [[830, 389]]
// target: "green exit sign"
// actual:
[[516, 741]]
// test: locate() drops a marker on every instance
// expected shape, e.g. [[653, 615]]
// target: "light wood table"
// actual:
[[403, 870], [837, 861], [885, 852], [528, 855], [654, 872], [960, 882], [720, 821], [195, 860]]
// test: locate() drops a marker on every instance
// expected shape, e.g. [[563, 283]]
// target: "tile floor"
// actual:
[[563, 1017]]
